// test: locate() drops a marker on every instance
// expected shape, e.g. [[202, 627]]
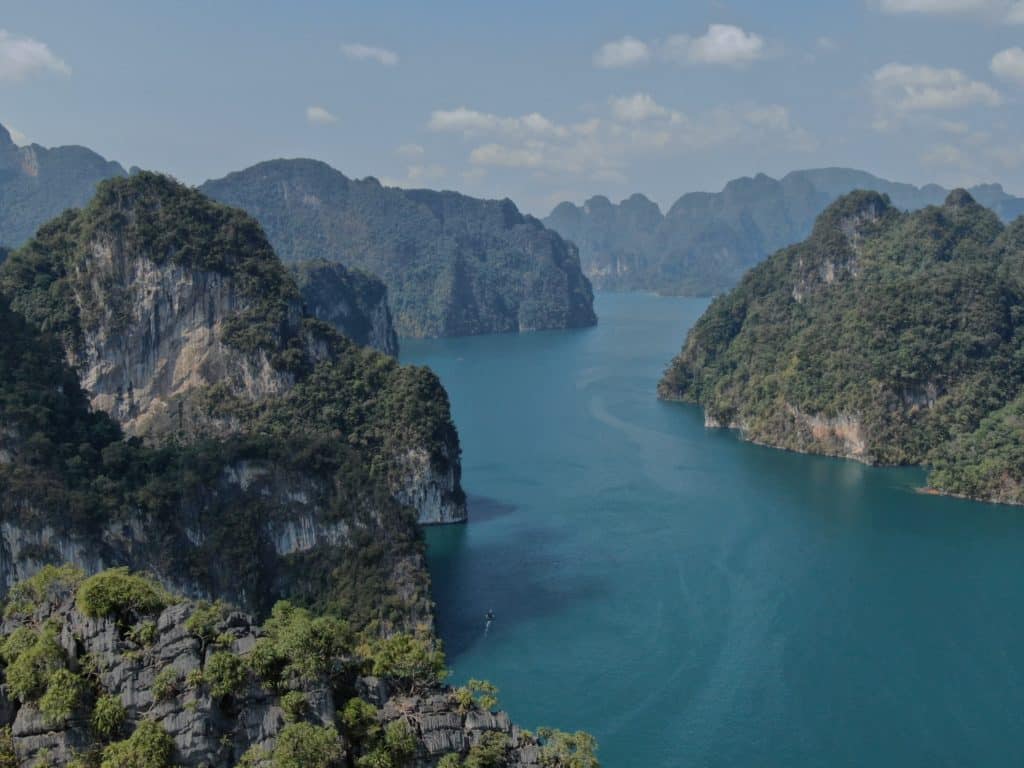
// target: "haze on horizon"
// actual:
[[542, 103]]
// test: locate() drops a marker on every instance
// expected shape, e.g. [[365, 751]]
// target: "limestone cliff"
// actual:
[[192, 684], [886, 337], [354, 302], [181, 322], [454, 265]]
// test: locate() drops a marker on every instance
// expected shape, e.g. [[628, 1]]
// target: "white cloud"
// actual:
[[1007, 11], [626, 52], [957, 128], [362, 52], [602, 149], [721, 44], [17, 136], [410, 150], [903, 88], [21, 57], [1009, 64], [935, 6], [638, 107], [826, 44], [472, 122], [320, 116]]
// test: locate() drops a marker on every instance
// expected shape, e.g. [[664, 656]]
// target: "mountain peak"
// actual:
[[959, 198]]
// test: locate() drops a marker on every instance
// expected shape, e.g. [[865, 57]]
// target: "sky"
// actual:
[[537, 101]]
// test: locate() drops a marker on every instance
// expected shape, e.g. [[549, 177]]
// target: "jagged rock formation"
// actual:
[[454, 265], [204, 685], [886, 337], [354, 302], [266, 468], [37, 183], [706, 241]]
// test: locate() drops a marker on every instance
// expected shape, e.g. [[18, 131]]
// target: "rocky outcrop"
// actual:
[[37, 183], [885, 337], [181, 322], [354, 302], [163, 669], [454, 265], [706, 241]]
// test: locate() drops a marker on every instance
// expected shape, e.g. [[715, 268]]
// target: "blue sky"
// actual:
[[537, 101]]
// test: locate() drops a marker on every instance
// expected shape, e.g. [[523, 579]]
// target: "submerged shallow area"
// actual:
[[691, 599]]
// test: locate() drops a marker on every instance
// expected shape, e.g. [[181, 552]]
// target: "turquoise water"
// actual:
[[696, 601]]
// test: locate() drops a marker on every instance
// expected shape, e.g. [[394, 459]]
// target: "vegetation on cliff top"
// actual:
[[454, 265], [297, 657], [891, 337]]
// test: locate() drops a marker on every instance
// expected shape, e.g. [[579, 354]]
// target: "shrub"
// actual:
[[143, 634], [204, 620], [479, 692], [8, 758], [567, 750], [118, 593], [149, 746], [360, 721], [50, 584], [451, 760], [194, 678], [489, 752], [303, 745], [400, 742], [64, 692], [225, 673], [415, 661], [294, 704], [298, 644], [165, 684], [20, 640], [29, 674], [108, 717]]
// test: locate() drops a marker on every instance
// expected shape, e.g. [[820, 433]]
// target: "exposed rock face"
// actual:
[[354, 302], [706, 241], [37, 183], [885, 337], [454, 265], [216, 730], [271, 456]]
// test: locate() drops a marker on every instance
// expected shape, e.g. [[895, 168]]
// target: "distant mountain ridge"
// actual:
[[37, 183], [706, 241], [454, 265]]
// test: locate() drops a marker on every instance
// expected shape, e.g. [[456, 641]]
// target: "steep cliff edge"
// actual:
[[37, 183], [707, 240], [183, 324], [114, 671], [354, 302], [454, 265], [887, 337]]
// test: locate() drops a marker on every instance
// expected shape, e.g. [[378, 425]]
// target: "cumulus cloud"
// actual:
[[638, 107], [626, 52], [1009, 64], [320, 116], [473, 122], [935, 6], [361, 52], [905, 88], [1008, 11], [721, 44], [22, 57], [601, 149]]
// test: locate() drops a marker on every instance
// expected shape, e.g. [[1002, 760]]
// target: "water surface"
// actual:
[[693, 600]]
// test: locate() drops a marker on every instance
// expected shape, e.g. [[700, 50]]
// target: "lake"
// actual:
[[693, 600]]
